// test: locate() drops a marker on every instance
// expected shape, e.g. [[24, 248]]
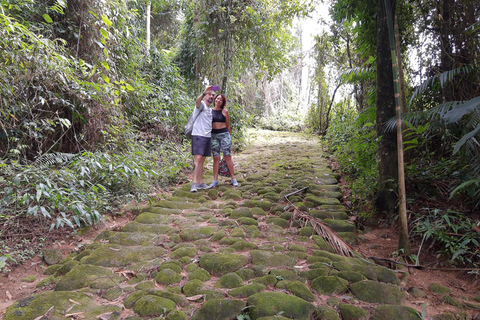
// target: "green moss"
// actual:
[[177, 314], [247, 221], [274, 303], [395, 312], [246, 291], [270, 259], [183, 252], [350, 312], [376, 292], [192, 234], [237, 233], [437, 288], [179, 300], [243, 245], [168, 276], [150, 305], [301, 290], [219, 309], [326, 313], [229, 280], [246, 274], [172, 264], [82, 276], [192, 287], [200, 274], [29, 279], [329, 285], [221, 263]]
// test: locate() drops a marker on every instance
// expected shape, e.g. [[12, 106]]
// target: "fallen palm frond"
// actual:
[[330, 237]]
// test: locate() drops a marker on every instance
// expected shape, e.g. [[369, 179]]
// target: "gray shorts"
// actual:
[[221, 141], [202, 146]]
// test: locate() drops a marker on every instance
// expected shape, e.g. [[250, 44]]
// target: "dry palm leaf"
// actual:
[[337, 243]]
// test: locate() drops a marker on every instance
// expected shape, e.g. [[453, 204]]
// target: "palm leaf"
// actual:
[[49, 159], [443, 77], [461, 109], [357, 74], [466, 138], [330, 237]]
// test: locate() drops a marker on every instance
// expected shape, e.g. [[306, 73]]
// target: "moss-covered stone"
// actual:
[[29, 279], [273, 303], [46, 282], [417, 293], [326, 313], [351, 276], [306, 231], [133, 298], [395, 312], [183, 252], [172, 265], [322, 244], [237, 233], [51, 256], [145, 285], [437, 288], [301, 290], [36, 306], [229, 280], [241, 212], [443, 316], [192, 234], [243, 245], [350, 312], [247, 221], [245, 274], [219, 309], [151, 305], [179, 300], [246, 291], [176, 314], [200, 274], [168, 276], [315, 273], [222, 263], [268, 280], [82, 276], [278, 222], [452, 301], [376, 292], [329, 285], [113, 255], [192, 287], [270, 259]]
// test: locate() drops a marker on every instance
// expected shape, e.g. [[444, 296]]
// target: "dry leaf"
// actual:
[[126, 273], [74, 302], [195, 298], [78, 315], [9, 296]]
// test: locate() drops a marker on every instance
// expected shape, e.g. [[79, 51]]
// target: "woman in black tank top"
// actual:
[[221, 138]]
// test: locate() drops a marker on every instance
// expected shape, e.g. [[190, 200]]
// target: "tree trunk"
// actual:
[[446, 54], [397, 77], [149, 7], [386, 198]]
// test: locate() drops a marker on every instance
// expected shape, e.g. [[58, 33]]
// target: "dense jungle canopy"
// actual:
[[94, 96]]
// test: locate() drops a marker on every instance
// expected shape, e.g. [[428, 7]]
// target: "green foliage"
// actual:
[[82, 188], [353, 143], [452, 233]]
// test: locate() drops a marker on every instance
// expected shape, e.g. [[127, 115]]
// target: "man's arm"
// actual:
[[198, 102]]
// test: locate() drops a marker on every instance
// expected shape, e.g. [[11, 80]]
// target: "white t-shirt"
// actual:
[[203, 125]]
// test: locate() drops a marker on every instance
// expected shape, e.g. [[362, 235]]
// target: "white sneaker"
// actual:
[[193, 188]]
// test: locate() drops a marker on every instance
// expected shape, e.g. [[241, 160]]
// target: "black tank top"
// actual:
[[217, 116]]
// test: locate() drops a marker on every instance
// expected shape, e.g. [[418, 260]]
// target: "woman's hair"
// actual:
[[223, 98]]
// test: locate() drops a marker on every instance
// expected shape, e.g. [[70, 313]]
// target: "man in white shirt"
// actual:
[[201, 136]]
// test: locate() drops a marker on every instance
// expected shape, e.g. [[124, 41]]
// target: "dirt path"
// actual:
[[226, 252]]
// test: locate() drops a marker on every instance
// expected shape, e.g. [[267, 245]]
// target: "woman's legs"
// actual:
[[216, 164], [228, 160]]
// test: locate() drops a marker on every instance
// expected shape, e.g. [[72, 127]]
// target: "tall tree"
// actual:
[[386, 199]]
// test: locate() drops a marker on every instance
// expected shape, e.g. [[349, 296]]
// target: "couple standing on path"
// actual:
[[211, 132]]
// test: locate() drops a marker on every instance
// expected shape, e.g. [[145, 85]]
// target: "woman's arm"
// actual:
[[227, 120]]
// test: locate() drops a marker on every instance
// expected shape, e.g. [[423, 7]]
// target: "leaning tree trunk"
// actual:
[[402, 205], [386, 198]]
